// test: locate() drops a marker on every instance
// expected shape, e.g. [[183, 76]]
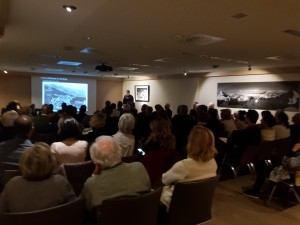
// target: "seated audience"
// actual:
[[7, 130], [281, 128], [226, 119], [82, 113], [160, 137], [37, 188], [240, 117], [97, 127], [12, 149], [112, 178], [71, 149], [268, 121], [123, 137], [200, 163], [182, 123]]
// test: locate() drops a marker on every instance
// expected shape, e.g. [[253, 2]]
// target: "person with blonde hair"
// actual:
[[124, 137], [200, 163], [37, 188]]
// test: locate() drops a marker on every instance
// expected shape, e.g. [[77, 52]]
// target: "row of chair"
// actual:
[[265, 151], [191, 204]]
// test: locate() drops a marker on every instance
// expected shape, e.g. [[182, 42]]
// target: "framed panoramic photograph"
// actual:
[[142, 93]]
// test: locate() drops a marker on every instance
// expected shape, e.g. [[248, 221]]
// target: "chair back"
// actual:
[[71, 213], [77, 173], [192, 201], [137, 210], [249, 155], [8, 174], [6, 166], [283, 148], [159, 162], [266, 150]]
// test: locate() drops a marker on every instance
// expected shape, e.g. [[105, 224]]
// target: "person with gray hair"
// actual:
[[124, 137], [112, 178], [7, 130]]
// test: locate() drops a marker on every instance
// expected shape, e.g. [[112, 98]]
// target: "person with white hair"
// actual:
[[124, 137], [112, 178], [7, 130]]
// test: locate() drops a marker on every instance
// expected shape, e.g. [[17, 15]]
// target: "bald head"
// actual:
[[105, 151], [23, 126], [8, 118]]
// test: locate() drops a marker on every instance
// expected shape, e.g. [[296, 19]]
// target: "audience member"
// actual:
[[168, 110], [82, 113], [124, 136], [12, 149], [112, 178], [182, 123], [268, 121], [7, 130], [37, 188], [226, 119], [71, 149], [97, 127], [160, 137], [282, 129], [200, 163]]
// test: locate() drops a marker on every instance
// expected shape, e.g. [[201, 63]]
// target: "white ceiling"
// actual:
[[148, 37]]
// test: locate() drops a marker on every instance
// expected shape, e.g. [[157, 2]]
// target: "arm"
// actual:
[[176, 173]]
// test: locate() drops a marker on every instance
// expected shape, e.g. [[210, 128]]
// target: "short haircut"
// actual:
[[105, 151], [225, 114], [252, 115], [23, 124], [201, 144], [8, 118], [37, 162], [70, 129], [126, 123], [98, 120]]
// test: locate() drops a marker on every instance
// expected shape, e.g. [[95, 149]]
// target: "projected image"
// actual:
[[55, 93]]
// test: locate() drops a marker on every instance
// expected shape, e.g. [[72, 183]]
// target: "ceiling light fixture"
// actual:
[[184, 73], [69, 8], [5, 71]]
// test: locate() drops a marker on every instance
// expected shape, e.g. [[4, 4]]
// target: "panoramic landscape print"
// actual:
[[260, 95]]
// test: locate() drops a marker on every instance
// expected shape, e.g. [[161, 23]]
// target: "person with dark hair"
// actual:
[[13, 105], [127, 97], [248, 136], [120, 107], [81, 114], [268, 121], [71, 149], [282, 128], [11, 150], [7, 130], [168, 110], [37, 188]]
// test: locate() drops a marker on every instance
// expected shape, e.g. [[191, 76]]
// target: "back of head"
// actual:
[[201, 144], [82, 109], [37, 163], [70, 129], [8, 118], [296, 119], [242, 115], [23, 126], [252, 116], [105, 151], [282, 118], [269, 120], [126, 123], [183, 110], [167, 106], [225, 114], [98, 120]]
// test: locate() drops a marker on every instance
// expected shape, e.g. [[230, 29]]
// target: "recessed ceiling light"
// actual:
[[5, 71], [69, 63], [69, 8]]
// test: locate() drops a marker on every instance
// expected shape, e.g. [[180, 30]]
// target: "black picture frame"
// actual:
[[142, 93]]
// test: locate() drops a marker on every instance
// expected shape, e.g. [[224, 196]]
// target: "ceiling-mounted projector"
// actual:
[[103, 68]]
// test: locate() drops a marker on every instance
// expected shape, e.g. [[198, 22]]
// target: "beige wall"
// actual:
[[108, 90], [15, 88]]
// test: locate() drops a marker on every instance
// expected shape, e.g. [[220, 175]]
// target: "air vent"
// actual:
[[201, 39], [239, 15], [292, 32]]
